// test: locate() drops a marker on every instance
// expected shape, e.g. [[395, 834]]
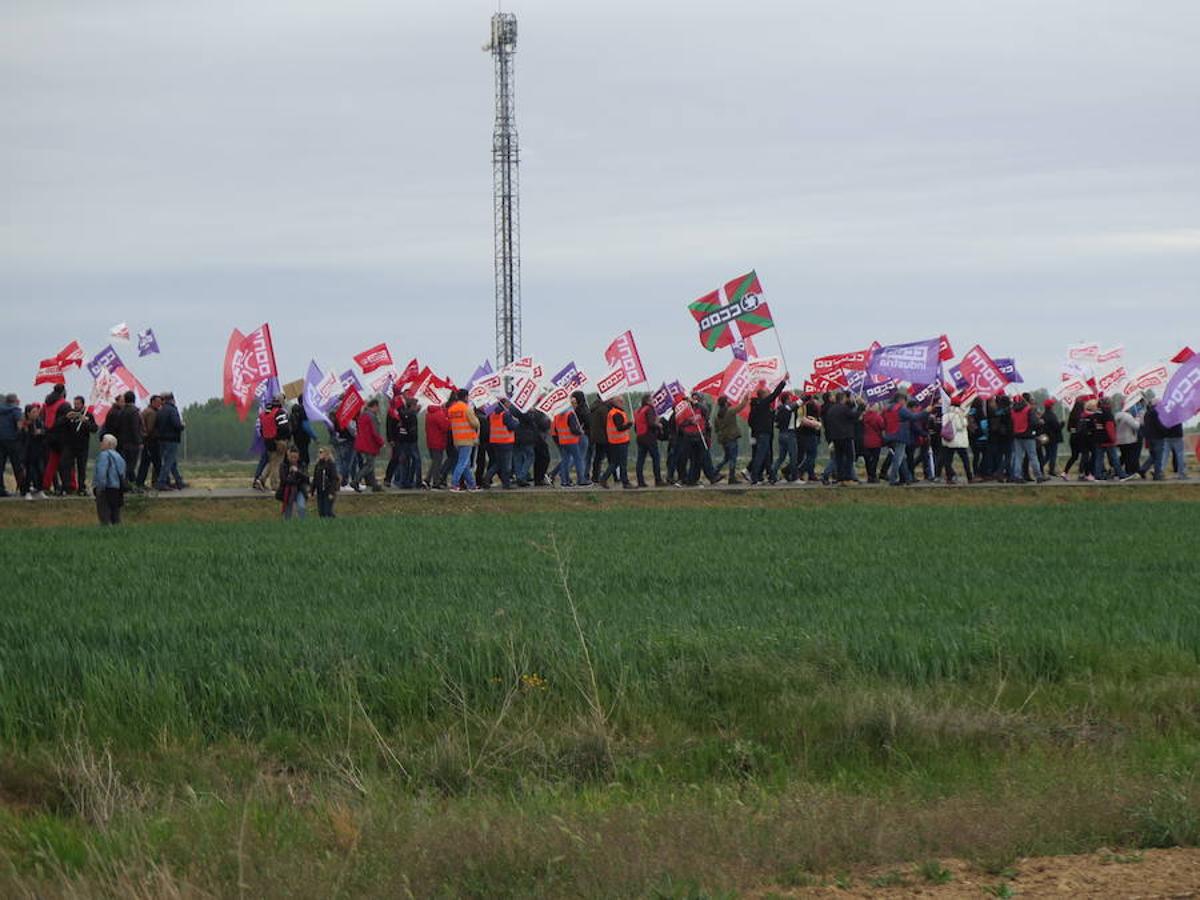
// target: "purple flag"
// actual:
[[258, 445], [349, 378], [106, 360], [1181, 397], [480, 372], [320, 393], [878, 393], [924, 396], [565, 375], [856, 380], [267, 390], [665, 397], [1008, 368], [147, 343], [916, 363]]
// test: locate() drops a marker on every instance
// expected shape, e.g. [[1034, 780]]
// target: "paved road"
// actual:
[[239, 492]]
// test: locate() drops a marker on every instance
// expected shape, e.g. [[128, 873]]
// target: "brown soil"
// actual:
[[1106, 873], [241, 505]]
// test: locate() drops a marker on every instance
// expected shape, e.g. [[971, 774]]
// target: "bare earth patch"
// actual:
[[1106, 873]]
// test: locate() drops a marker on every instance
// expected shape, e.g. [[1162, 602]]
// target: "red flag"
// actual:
[[1183, 355], [249, 360], [855, 361], [70, 355], [623, 352], [131, 379], [981, 373], [374, 358], [945, 351], [736, 381], [710, 385], [351, 405], [49, 372]]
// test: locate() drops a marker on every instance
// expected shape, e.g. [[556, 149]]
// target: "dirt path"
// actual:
[[1106, 873]]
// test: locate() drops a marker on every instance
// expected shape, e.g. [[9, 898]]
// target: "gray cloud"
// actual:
[[1021, 174]]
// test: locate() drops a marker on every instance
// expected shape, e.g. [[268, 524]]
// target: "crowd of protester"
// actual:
[[46, 445], [831, 438]]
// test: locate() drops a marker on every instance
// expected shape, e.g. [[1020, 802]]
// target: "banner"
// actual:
[[147, 343], [980, 373], [1072, 369], [555, 402], [569, 377], [924, 394], [70, 355], [373, 358], [736, 381], [49, 372], [320, 393], [1008, 368], [120, 332], [882, 392], [1071, 390], [855, 380], [108, 359], [916, 362], [1112, 354], [1087, 352], [611, 384], [1107, 382], [248, 363], [665, 398], [1181, 399], [710, 385], [945, 351], [519, 368], [106, 387], [131, 379], [1147, 378], [348, 409], [384, 381], [730, 315], [524, 393], [767, 368], [623, 352], [856, 361]]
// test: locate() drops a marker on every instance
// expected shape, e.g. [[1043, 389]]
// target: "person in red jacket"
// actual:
[[367, 444], [437, 440], [872, 441]]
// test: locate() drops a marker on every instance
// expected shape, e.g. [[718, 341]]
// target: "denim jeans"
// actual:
[[345, 461], [1024, 449], [502, 464], [1114, 460], [762, 451], [10, 452], [523, 462], [169, 470], [650, 449], [571, 455], [297, 504], [789, 450], [618, 463], [365, 469], [1048, 457], [1155, 460], [898, 471], [462, 468], [809, 443], [729, 459], [1173, 447]]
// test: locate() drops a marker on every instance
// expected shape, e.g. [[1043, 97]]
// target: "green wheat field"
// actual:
[[684, 701]]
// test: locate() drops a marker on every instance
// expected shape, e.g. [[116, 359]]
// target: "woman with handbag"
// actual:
[[109, 481]]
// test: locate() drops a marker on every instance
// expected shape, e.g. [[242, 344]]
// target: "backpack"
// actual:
[[266, 421]]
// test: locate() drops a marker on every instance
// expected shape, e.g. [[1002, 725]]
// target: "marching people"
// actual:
[[367, 444], [437, 440], [54, 422], [786, 420], [1049, 438], [955, 441], [729, 433], [80, 425], [648, 430], [872, 422], [840, 421], [1129, 444], [109, 481], [11, 452], [568, 437], [502, 437], [762, 430], [293, 485], [464, 429], [616, 438], [150, 461], [325, 483], [168, 425], [1024, 428], [34, 431], [598, 435]]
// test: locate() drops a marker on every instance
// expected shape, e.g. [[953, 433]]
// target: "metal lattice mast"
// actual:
[[506, 188]]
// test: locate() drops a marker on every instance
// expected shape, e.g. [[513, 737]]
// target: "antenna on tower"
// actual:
[[506, 190]]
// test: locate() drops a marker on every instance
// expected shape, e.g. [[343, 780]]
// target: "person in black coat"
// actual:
[[80, 425], [840, 420]]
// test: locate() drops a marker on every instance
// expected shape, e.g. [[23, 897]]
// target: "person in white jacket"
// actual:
[[955, 441], [1129, 427]]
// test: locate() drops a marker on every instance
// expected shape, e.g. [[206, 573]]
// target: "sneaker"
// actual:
[[28, 495], [456, 490], [1129, 477]]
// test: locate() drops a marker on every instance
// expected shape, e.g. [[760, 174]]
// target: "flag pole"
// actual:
[[787, 370]]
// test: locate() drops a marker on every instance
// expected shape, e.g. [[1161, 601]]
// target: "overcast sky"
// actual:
[[1021, 174]]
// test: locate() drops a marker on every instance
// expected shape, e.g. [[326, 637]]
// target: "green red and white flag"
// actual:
[[732, 313]]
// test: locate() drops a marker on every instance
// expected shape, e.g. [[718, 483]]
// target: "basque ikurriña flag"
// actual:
[[732, 313]]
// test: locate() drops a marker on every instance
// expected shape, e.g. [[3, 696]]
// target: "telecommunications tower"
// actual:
[[505, 160]]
